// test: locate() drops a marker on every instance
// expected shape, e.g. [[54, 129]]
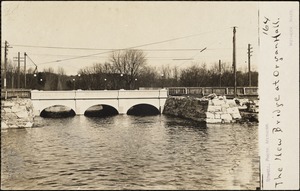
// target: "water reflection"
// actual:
[[129, 152]]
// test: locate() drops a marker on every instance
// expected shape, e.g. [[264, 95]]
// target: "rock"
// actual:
[[236, 116], [226, 117], [28, 124], [209, 110], [7, 110], [210, 115], [212, 108], [231, 103], [7, 104], [22, 114], [17, 113], [233, 110], [218, 102], [213, 120], [186, 107], [9, 116], [3, 125], [217, 115]]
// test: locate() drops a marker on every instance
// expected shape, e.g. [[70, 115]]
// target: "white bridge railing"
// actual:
[[98, 94]]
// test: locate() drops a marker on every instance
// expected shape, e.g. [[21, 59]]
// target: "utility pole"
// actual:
[[18, 70], [234, 61], [18, 59], [5, 68], [249, 66], [220, 72], [25, 69]]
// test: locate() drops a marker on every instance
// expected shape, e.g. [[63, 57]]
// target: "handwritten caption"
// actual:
[[271, 28]]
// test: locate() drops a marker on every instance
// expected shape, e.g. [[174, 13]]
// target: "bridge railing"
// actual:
[[15, 93], [209, 90], [98, 94], [35, 94]]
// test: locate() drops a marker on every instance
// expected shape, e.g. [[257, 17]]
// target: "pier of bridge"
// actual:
[[80, 101]]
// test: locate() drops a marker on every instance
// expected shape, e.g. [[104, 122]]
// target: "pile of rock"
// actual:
[[250, 113], [222, 110], [16, 113], [209, 109], [186, 107]]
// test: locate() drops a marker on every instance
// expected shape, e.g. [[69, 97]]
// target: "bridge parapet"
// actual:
[[142, 94], [52, 95], [96, 94]]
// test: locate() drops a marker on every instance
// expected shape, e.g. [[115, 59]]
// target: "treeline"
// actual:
[[128, 70]]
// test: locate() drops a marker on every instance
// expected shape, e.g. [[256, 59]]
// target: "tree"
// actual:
[[60, 78], [128, 63], [195, 76]]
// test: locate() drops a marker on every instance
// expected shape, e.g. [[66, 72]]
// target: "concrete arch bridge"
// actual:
[[81, 100]]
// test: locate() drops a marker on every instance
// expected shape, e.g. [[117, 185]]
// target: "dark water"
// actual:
[[127, 152]]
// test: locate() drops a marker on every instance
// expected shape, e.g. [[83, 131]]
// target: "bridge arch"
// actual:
[[101, 110], [41, 105], [143, 109], [57, 111], [83, 105]]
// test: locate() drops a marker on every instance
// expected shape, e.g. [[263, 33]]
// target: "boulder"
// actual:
[[213, 120], [3, 125], [22, 114], [226, 117], [210, 115], [212, 108]]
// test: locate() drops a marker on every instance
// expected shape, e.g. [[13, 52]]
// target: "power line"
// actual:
[[107, 49], [99, 57], [84, 48], [159, 42]]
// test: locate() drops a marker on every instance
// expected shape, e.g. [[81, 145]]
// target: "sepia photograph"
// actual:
[[149, 95]]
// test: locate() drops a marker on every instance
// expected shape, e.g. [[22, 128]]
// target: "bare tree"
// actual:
[[128, 63], [61, 71]]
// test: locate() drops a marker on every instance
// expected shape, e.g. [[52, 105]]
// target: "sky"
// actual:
[[74, 35]]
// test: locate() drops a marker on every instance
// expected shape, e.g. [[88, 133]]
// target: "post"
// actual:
[[5, 68], [12, 82], [234, 61], [249, 66], [74, 83], [220, 71], [162, 81], [25, 70], [18, 70]]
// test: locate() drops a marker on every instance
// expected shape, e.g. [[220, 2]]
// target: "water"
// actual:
[[127, 152]]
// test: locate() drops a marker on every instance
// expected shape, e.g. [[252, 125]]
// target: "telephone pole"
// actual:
[[220, 72], [249, 66], [25, 69], [18, 70], [5, 67], [234, 61], [18, 59]]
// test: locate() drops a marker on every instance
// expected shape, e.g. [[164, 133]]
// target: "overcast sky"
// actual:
[[158, 28]]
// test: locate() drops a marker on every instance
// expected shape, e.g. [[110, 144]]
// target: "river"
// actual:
[[129, 152]]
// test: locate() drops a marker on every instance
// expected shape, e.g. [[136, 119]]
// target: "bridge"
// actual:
[[120, 100], [80, 101]]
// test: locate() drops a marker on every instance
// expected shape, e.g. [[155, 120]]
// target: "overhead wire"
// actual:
[[133, 47]]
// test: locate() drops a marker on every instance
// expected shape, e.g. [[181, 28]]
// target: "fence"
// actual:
[[15, 93], [251, 91]]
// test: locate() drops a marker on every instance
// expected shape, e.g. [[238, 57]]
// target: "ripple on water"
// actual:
[[127, 152]]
